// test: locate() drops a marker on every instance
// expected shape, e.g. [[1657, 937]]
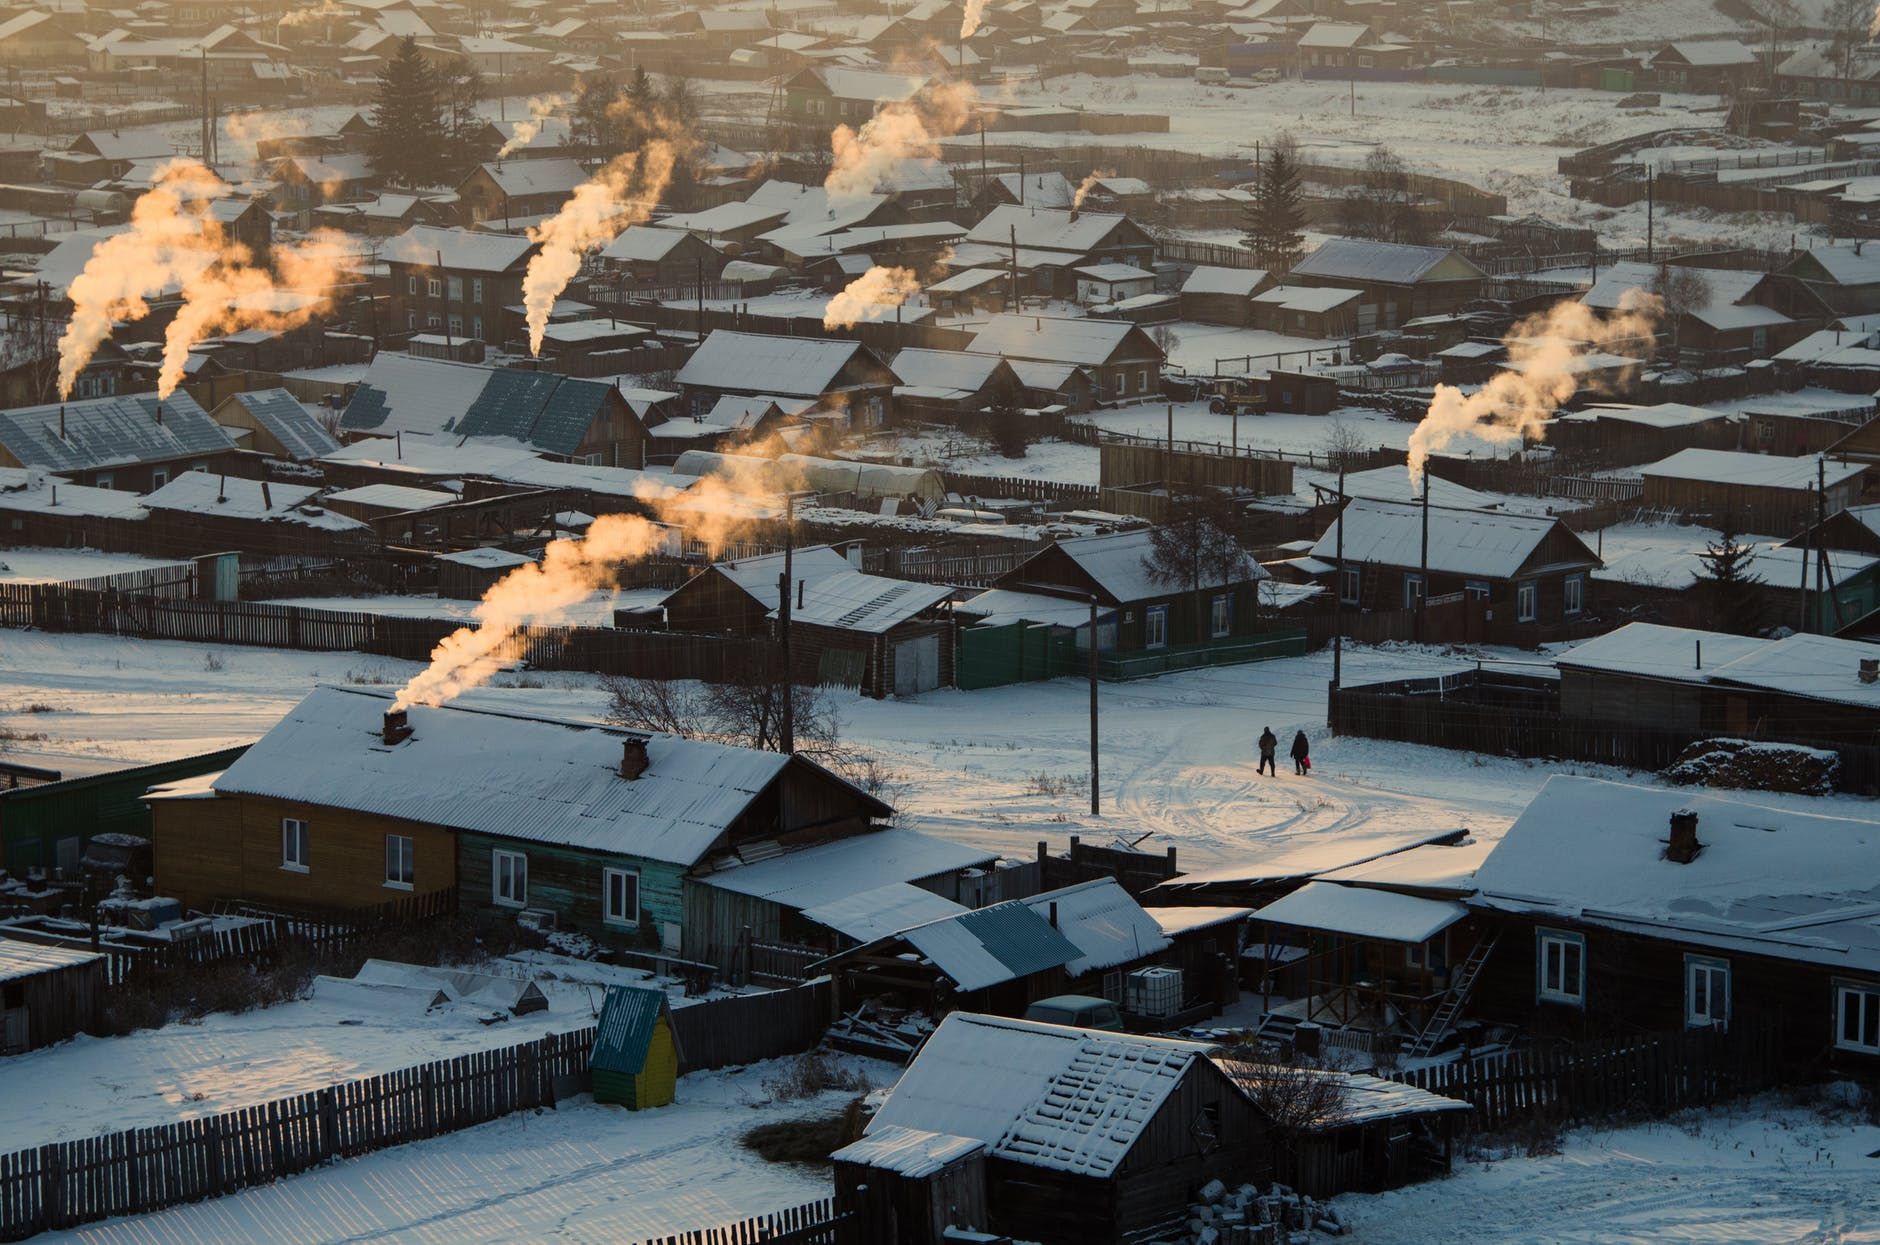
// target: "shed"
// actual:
[[50, 826], [909, 1185], [469, 573], [47, 994], [636, 1057]]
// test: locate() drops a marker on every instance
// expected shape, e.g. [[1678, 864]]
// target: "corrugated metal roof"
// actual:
[[290, 423], [911, 1152], [797, 367], [1462, 542], [26, 959], [109, 432], [1362, 260], [437, 396], [625, 1032], [992, 945]]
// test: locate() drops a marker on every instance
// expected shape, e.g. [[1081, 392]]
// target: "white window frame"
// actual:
[[1221, 615], [1477, 588], [159, 476], [1527, 602], [411, 285], [296, 845], [1413, 591], [107, 480], [1352, 587], [509, 878], [1155, 627], [1573, 594], [1704, 977], [1561, 991], [476, 289], [608, 914], [1866, 997], [433, 288], [456, 289], [476, 327], [401, 862]]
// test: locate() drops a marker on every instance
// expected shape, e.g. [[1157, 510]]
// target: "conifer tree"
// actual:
[[1274, 215], [1729, 586], [407, 141]]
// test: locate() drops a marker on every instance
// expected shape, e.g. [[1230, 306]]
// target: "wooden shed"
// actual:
[[636, 1058], [47, 994], [909, 1185], [469, 573]]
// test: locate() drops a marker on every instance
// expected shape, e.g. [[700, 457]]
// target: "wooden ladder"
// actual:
[[1367, 588], [1455, 999]]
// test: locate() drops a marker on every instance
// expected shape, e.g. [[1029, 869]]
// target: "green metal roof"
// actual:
[[625, 1033]]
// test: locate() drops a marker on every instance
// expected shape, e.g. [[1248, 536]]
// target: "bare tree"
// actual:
[[1296, 1099], [1683, 292], [1343, 440], [1382, 206], [1848, 23], [1195, 547]]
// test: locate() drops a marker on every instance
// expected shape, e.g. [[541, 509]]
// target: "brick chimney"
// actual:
[[1870, 670], [1684, 847], [396, 728], [633, 760]]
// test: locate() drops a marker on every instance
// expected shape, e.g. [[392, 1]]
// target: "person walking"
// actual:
[[1269, 748], [1301, 753]]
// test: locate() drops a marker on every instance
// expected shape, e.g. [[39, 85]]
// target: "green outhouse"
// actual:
[[636, 1057]]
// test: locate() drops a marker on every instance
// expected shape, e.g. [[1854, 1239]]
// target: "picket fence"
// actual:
[[813, 1223], [127, 962]]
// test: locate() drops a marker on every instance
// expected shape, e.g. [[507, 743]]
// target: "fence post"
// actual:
[[329, 1123], [51, 1188]]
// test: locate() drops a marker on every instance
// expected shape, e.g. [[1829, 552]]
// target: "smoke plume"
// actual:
[[234, 293], [903, 130], [970, 19], [541, 108], [300, 17], [623, 193], [529, 597], [171, 241], [871, 296], [1087, 185], [1542, 352]]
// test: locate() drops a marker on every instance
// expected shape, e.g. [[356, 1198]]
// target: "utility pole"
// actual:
[[1801, 623], [699, 280], [1821, 546], [786, 733], [1423, 566], [1094, 798], [1338, 589], [1650, 209]]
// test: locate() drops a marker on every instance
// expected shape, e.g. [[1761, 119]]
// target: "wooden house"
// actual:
[[347, 802], [831, 94], [1399, 283], [515, 191], [311, 181], [131, 441], [1529, 573], [950, 384], [1726, 321], [1705, 67], [1831, 281], [891, 633], [41, 509], [1138, 613], [454, 281], [968, 291], [466, 574], [276, 423], [1222, 295], [1622, 435], [588, 421], [1049, 245], [1760, 492], [1121, 360], [831, 374], [1090, 1138], [665, 257], [50, 826], [635, 1062], [1623, 908], [230, 512], [48, 994], [911, 1186], [1328, 312]]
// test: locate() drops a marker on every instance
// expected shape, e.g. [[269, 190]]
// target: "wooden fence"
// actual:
[[1653, 1074], [968, 569], [1076, 495], [813, 1223], [129, 962], [746, 1028]]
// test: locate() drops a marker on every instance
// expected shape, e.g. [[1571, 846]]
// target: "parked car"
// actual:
[[1211, 75], [1081, 1011]]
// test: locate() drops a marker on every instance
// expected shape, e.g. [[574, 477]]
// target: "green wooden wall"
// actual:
[[567, 882]]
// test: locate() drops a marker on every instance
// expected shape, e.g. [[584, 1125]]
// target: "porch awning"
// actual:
[[1361, 912]]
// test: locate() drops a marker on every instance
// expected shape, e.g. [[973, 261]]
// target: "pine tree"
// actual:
[[407, 142], [460, 89], [1274, 215], [594, 123], [1729, 585]]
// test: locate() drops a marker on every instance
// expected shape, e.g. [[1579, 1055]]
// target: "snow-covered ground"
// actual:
[[582, 1173], [49, 566], [1756, 1171]]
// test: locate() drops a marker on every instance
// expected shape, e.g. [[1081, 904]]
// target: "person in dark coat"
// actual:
[[1269, 748], [1301, 753]]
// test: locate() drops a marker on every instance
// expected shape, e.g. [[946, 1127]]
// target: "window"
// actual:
[[1575, 593], [1412, 591], [434, 322], [1562, 967], [199, 466], [456, 289], [476, 327], [1858, 1026], [456, 326], [294, 844], [476, 289], [398, 864], [620, 897], [1155, 627], [159, 476], [104, 481], [1220, 615], [1142, 381], [1477, 588], [1706, 993], [509, 878], [411, 319], [1526, 608], [411, 285], [433, 286], [1348, 589], [1416, 955]]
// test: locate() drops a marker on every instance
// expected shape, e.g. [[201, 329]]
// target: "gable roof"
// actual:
[[629, 1018], [1038, 190], [1119, 564], [1462, 542], [1106, 925], [1768, 881], [1749, 470], [292, 424], [644, 243], [829, 873], [944, 369], [1657, 651], [536, 779], [1071, 1100], [1819, 667], [1046, 229], [1237, 282], [1723, 305], [1709, 53], [1391, 263], [796, 367], [466, 249], [516, 178], [827, 591], [1082, 341], [108, 432], [546, 410]]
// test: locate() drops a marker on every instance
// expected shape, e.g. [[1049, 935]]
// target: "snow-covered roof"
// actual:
[[1849, 263], [856, 601], [1300, 860], [799, 367], [1049, 229], [1335, 35], [1114, 272], [1120, 564], [1723, 289], [1669, 556], [486, 558], [882, 910], [999, 606], [1659, 652], [408, 394], [534, 779], [399, 497], [27, 959], [1768, 881], [643, 244], [1086, 342], [31, 489], [1235, 282], [1361, 912], [1660, 415], [813, 878], [1364, 1098], [1820, 667], [1177, 921], [991, 946], [1105, 924], [1392, 263], [466, 249], [911, 1152], [1038, 190], [1308, 298], [1432, 867], [1072, 1100], [231, 497], [966, 279], [1748, 470], [1710, 53], [298, 429], [1394, 484], [106, 432], [957, 370], [1461, 542]]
